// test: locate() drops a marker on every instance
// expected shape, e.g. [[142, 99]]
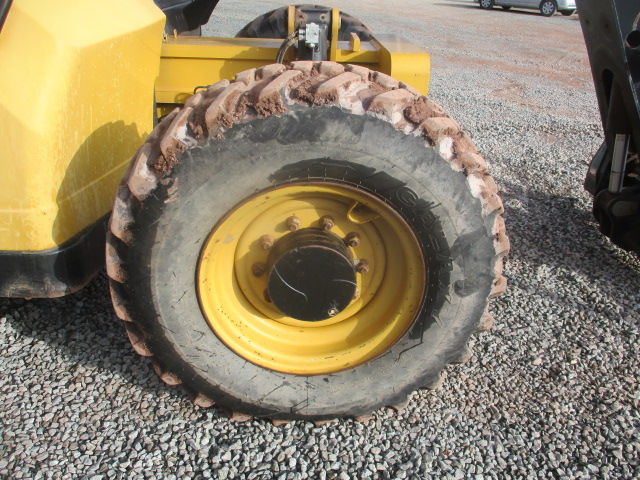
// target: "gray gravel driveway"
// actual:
[[551, 392]]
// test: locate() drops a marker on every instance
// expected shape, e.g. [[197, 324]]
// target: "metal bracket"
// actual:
[[618, 163]]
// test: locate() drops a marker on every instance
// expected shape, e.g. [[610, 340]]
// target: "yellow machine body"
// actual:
[[82, 84], [76, 101]]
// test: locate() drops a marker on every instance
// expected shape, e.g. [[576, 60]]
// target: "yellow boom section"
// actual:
[[76, 101]]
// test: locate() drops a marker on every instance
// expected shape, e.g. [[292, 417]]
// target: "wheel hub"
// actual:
[[311, 236], [311, 275]]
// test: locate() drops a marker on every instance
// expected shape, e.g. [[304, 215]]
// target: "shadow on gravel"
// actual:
[[84, 328], [561, 232]]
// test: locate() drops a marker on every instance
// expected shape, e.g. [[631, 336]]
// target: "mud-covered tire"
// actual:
[[277, 126], [273, 24]]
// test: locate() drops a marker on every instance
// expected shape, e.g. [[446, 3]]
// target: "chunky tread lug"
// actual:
[[203, 401], [486, 323], [363, 418], [280, 423], [437, 383], [239, 417], [271, 90], [462, 356], [398, 407], [321, 423]]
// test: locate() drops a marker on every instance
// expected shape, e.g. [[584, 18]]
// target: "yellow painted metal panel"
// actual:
[[335, 31], [191, 62], [291, 19], [404, 61], [77, 104], [367, 55]]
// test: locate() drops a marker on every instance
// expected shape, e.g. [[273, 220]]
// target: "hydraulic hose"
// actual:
[[286, 44]]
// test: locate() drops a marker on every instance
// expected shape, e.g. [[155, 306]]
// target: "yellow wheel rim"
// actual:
[[387, 300]]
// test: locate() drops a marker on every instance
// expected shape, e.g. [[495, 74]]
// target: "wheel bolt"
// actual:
[[258, 269], [293, 223], [266, 242], [333, 312], [327, 222], [352, 239], [362, 266]]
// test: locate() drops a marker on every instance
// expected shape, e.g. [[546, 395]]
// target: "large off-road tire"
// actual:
[[219, 181], [273, 24]]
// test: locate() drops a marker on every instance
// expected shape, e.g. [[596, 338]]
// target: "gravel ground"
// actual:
[[551, 392]]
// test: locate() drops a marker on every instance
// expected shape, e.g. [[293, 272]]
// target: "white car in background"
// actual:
[[546, 7]]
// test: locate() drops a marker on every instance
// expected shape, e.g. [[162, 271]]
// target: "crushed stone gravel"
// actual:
[[552, 391]]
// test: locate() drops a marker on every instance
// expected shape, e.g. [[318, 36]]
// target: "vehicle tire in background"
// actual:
[[220, 182], [273, 24], [548, 7], [486, 4], [567, 13]]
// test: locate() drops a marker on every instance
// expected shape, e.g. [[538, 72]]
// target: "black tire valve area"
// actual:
[[310, 275]]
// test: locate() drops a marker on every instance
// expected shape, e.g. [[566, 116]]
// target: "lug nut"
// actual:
[[266, 242], [352, 239], [293, 223], [327, 222], [258, 269], [333, 312], [362, 266]]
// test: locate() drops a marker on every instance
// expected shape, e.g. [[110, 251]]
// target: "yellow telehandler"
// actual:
[[293, 229]]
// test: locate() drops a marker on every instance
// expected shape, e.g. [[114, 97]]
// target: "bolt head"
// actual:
[[362, 266], [352, 239], [327, 222], [266, 242], [333, 312], [258, 269], [293, 223]]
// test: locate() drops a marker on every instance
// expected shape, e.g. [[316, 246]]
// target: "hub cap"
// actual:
[[311, 275]]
